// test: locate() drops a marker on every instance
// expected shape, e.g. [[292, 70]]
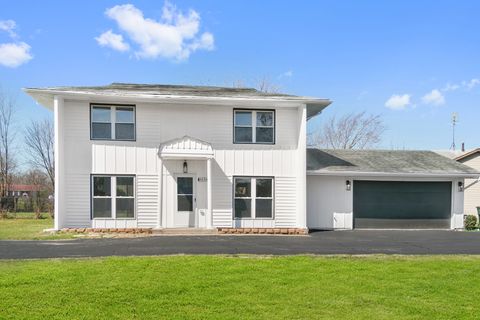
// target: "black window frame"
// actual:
[[254, 125], [113, 107], [113, 196], [253, 197]]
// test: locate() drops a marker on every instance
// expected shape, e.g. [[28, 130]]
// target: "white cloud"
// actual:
[[286, 74], [467, 85], [14, 54], [451, 87], [362, 95], [434, 97], [112, 40], [398, 102], [8, 26], [175, 36], [472, 84]]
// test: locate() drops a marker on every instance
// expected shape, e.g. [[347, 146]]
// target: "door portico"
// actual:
[[189, 160]]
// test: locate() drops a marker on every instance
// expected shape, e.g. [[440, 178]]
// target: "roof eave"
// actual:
[[468, 154], [315, 107], [392, 174], [45, 97]]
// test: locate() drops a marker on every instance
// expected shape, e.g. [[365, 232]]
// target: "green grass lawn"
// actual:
[[245, 287], [25, 228]]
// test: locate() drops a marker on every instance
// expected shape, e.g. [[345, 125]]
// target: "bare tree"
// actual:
[[351, 131], [267, 86], [39, 139], [7, 136], [264, 84]]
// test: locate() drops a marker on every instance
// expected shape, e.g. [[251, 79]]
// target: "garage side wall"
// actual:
[[327, 201]]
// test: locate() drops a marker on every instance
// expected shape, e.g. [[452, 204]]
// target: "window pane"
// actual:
[[100, 114], [125, 186], [243, 208], [124, 131], [243, 118], [264, 134], [102, 207], [242, 187], [265, 119], [101, 131], [124, 115], [184, 203], [184, 185], [101, 186], [125, 208], [243, 134], [264, 188], [263, 208]]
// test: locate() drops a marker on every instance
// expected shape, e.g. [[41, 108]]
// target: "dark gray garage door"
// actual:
[[393, 204]]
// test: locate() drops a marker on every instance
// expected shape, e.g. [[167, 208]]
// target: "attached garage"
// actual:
[[402, 204], [376, 189]]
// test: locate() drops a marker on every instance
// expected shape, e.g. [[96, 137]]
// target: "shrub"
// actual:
[[470, 222]]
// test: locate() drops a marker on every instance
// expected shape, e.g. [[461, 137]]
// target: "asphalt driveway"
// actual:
[[328, 242]]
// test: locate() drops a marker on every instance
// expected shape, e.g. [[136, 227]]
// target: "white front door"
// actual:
[[185, 216]]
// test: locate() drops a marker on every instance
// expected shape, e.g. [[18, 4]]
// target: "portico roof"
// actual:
[[185, 147]]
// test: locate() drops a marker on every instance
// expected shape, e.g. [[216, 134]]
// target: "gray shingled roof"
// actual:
[[168, 89], [394, 162]]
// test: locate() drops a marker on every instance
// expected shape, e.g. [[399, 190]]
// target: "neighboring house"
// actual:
[[23, 190], [472, 186], [163, 156]]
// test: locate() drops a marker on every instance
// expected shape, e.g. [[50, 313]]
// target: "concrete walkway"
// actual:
[[329, 242]]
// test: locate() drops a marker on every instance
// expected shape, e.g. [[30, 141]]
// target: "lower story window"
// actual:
[[253, 197], [113, 197]]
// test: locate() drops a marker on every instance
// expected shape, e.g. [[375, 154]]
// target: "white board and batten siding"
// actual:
[[156, 124]]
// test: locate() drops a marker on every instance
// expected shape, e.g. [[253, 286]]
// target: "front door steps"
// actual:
[[267, 231], [184, 231]]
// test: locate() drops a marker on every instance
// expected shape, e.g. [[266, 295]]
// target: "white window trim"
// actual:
[[113, 121], [113, 197], [253, 198], [253, 125]]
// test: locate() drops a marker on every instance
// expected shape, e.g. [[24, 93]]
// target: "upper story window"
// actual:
[[254, 126], [110, 122]]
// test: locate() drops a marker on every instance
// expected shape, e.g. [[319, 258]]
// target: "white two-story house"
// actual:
[[165, 156]]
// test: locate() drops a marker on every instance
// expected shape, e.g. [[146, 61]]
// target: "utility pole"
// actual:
[[454, 123]]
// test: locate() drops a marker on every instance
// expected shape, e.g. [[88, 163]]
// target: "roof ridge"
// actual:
[[178, 86]]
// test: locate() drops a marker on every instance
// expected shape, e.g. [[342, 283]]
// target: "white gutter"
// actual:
[[392, 174], [174, 98]]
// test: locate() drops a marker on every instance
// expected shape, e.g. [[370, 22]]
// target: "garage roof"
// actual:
[[385, 163]]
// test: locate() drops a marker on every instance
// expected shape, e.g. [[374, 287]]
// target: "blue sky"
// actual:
[[414, 62]]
